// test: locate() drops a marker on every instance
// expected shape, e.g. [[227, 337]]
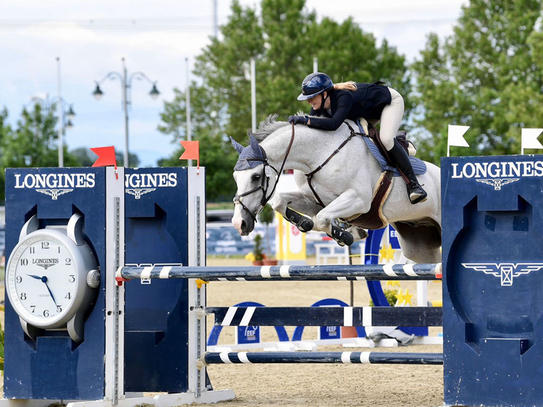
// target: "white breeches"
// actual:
[[391, 119]]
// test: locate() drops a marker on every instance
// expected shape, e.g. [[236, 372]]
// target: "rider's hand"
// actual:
[[297, 119]]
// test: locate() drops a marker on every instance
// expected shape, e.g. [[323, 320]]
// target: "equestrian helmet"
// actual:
[[315, 84]]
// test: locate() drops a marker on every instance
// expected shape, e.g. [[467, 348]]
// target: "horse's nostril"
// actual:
[[243, 226]]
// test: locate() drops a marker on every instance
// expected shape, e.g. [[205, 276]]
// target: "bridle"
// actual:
[[265, 181]]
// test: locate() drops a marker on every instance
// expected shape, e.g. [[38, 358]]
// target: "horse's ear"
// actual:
[[239, 148], [254, 143]]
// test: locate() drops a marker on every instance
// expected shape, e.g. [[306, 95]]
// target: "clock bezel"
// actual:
[[83, 261]]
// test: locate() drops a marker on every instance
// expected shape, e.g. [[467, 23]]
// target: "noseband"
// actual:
[[265, 181]]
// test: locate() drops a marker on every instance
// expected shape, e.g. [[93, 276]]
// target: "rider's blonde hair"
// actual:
[[346, 86]]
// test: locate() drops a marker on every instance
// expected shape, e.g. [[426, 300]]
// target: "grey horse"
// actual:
[[333, 198]]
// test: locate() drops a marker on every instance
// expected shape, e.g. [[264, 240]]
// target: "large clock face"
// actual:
[[42, 279]]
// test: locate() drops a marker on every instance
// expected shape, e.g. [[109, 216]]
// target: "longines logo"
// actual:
[[55, 184], [506, 271], [45, 263], [499, 173], [140, 184], [138, 192], [497, 183]]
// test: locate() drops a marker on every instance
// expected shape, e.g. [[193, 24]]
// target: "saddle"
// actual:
[[372, 139], [374, 218]]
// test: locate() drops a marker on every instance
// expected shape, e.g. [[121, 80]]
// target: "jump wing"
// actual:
[[525, 268], [486, 181], [487, 268], [506, 181]]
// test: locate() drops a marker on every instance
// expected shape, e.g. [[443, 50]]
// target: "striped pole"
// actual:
[[324, 357], [292, 272], [326, 316]]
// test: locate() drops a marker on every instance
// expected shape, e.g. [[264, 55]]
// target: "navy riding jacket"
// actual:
[[368, 101]]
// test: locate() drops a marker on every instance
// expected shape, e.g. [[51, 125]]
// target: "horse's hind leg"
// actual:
[[420, 243]]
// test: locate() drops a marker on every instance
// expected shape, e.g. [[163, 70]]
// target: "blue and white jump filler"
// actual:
[[493, 275]]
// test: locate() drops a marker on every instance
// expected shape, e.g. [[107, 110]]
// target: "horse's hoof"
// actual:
[[303, 223], [342, 236]]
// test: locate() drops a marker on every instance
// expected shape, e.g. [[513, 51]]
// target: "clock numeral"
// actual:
[[45, 245], [32, 250], [59, 309], [33, 308], [22, 297], [68, 261], [72, 278], [24, 262], [45, 312], [18, 279], [68, 296]]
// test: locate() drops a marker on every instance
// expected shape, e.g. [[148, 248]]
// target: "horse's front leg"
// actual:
[[293, 206], [345, 206]]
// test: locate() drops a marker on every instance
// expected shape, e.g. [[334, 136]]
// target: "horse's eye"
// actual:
[[256, 177]]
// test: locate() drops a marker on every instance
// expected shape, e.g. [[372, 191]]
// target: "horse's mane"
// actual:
[[268, 126]]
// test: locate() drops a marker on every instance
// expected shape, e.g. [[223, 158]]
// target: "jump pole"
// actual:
[[294, 272], [324, 357]]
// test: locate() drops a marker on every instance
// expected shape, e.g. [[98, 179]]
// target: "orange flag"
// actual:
[[106, 156], [192, 151]]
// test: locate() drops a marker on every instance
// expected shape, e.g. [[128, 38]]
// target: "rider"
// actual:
[[350, 100]]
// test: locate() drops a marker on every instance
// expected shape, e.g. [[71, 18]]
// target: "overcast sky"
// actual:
[[155, 37]]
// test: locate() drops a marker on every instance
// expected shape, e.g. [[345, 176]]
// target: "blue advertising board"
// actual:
[[493, 274], [53, 195]]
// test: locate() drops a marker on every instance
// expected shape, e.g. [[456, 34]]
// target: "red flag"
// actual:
[[106, 156], [192, 151]]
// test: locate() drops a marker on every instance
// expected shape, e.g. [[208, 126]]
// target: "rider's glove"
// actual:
[[298, 119]]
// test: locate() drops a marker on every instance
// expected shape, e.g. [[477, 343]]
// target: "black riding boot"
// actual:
[[401, 160]]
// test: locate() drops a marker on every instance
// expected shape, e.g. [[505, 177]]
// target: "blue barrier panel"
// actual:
[[493, 274], [48, 365], [156, 314]]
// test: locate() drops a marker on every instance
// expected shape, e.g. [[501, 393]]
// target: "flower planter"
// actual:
[[258, 262], [270, 262]]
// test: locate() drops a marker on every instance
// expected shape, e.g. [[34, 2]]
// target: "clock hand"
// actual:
[[36, 277], [44, 279]]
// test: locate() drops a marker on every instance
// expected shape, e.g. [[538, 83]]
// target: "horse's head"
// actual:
[[252, 174]]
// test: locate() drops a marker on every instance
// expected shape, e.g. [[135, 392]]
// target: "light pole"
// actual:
[[65, 116], [126, 84]]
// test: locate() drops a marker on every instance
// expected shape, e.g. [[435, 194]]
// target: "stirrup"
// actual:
[[416, 193]]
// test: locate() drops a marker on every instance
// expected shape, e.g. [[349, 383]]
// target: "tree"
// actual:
[[283, 40], [33, 142], [5, 129], [487, 75], [85, 156]]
